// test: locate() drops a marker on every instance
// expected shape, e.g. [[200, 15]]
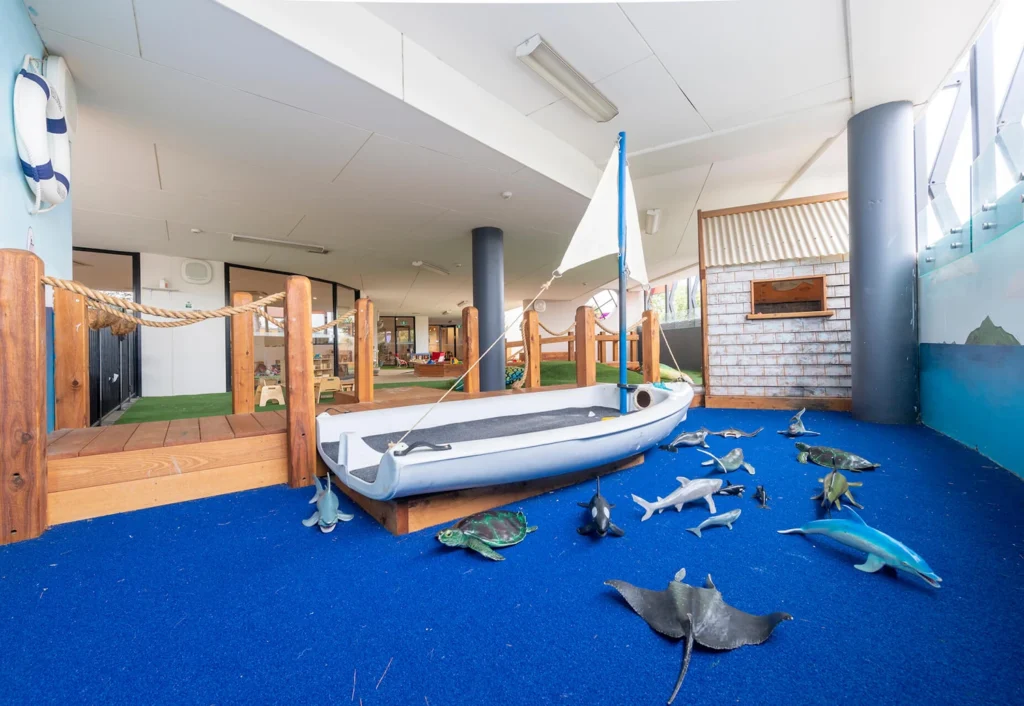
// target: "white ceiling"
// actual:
[[194, 117]]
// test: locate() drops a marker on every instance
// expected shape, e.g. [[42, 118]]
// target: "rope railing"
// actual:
[[557, 333]]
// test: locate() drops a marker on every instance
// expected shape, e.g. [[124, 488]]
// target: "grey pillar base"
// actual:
[[883, 264], [489, 300]]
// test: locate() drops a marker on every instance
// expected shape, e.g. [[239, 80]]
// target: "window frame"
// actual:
[[823, 312]]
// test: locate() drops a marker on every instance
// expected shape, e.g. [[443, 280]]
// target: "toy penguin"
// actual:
[[600, 511]]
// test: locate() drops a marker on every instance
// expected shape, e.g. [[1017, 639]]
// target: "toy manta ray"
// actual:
[[700, 615]]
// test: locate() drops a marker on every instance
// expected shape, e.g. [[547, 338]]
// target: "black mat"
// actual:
[[477, 430]]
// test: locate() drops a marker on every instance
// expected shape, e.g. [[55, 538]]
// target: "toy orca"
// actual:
[[600, 512]]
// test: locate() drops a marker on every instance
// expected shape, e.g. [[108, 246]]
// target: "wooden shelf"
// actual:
[[795, 315]]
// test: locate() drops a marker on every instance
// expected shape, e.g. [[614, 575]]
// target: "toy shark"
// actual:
[[687, 438], [730, 462], [688, 490], [726, 518], [882, 549], [796, 427], [327, 514], [600, 513]]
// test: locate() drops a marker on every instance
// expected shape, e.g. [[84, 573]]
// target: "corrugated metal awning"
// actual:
[[770, 233]]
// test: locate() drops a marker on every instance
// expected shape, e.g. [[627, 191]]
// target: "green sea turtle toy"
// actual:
[[485, 531], [836, 459]]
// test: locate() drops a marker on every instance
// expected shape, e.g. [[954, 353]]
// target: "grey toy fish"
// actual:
[[326, 514], [726, 518], [734, 433], [761, 496], [730, 462], [796, 426], [688, 438], [688, 490]]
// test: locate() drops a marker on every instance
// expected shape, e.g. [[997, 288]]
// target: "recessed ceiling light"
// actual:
[[197, 230], [462, 303], [550, 66], [506, 195]]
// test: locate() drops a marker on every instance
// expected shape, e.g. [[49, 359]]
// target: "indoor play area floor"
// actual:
[[231, 599]]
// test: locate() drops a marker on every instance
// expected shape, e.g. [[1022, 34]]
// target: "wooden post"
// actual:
[[586, 368], [243, 369], [649, 339], [531, 340], [364, 350], [615, 350], [571, 346], [70, 360], [632, 352], [600, 352], [301, 407], [22, 397], [471, 347]]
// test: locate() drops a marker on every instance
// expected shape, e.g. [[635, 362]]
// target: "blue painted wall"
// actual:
[[975, 392], [52, 230]]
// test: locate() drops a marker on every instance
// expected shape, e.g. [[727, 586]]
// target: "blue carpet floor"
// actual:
[[231, 600]]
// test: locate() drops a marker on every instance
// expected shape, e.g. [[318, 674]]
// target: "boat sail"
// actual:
[[386, 454]]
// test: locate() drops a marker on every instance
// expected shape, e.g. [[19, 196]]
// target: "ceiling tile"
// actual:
[[108, 23]]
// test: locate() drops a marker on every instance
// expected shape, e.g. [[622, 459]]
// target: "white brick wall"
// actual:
[[778, 357]]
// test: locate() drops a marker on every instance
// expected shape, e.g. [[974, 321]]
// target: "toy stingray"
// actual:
[[700, 615]]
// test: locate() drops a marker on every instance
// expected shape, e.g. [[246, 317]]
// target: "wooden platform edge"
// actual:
[[416, 513], [820, 404]]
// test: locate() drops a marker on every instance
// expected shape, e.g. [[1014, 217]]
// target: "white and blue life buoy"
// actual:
[[41, 106]]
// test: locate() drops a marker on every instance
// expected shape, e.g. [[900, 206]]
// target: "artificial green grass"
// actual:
[[161, 409]]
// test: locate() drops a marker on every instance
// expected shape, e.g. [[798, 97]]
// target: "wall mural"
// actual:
[[972, 361]]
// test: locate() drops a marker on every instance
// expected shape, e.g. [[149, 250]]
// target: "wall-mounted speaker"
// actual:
[[197, 271]]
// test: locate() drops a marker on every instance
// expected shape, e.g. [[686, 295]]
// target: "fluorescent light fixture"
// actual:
[[294, 245], [462, 303], [428, 266], [653, 221], [550, 66]]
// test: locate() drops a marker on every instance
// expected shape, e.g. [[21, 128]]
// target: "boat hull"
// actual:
[[494, 440]]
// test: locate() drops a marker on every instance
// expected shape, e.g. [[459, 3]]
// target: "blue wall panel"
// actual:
[[975, 394]]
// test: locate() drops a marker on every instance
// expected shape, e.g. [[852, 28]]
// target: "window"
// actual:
[[788, 297]]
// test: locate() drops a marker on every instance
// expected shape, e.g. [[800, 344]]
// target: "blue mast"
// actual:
[[623, 343]]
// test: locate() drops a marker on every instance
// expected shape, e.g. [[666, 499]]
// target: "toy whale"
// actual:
[[730, 462], [688, 491], [882, 549], [726, 518], [600, 512]]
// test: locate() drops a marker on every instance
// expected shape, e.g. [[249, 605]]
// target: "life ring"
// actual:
[[42, 136]]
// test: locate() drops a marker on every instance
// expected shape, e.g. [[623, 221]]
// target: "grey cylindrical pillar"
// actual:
[[883, 264], [489, 300]]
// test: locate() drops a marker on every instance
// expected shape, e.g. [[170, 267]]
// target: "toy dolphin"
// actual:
[[700, 615], [796, 427], [326, 514], [600, 513], [688, 490], [730, 462], [882, 549], [688, 438], [726, 518]]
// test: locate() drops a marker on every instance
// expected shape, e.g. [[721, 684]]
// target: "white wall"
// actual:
[[189, 360], [422, 335]]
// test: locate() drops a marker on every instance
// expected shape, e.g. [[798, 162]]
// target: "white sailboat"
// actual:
[[393, 453]]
